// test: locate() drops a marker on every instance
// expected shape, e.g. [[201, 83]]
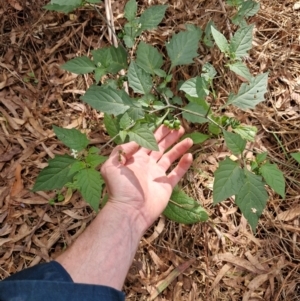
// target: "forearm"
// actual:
[[104, 252]]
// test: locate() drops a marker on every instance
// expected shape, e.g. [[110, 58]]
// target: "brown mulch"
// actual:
[[218, 260]]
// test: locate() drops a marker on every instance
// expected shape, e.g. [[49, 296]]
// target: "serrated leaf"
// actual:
[[228, 180], [183, 209], [196, 137], [160, 72], [136, 112], [234, 142], [261, 157], [112, 127], [247, 9], [93, 160], [148, 58], [296, 156], [250, 94], [241, 42], [107, 100], [220, 40], [193, 107], [240, 69], [75, 167], [273, 177], [111, 59], [182, 48], [99, 72], [138, 79], [56, 174], [118, 59], [72, 138], [196, 87], [152, 16], [123, 135], [208, 72], [125, 121], [143, 137], [130, 10], [90, 184], [247, 132], [208, 39], [252, 198], [128, 40], [79, 65]]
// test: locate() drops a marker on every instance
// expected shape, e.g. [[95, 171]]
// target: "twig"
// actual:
[[227, 21]]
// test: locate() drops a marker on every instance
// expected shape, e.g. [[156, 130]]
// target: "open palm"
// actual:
[[136, 177]]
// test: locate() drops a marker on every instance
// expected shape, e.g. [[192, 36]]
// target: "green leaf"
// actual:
[[234, 142], [208, 40], [129, 41], [296, 156], [250, 94], [90, 184], [183, 209], [247, 9], [148, 58], [111, 59], [241, 42], [261, 157], [130, 10], [273, 177], [72, 138], [75, 167], [67, 2], [208, 72], [99, 72], [196, 87], [196, 137], [107, 100], [247, 132], [240, 69], [143, 136], [252, 198], [65, 7], [182, 48], [94, 1], [138, 79], [112, 127], [118, 59], [56, 174], [220, 40], [136, 112], [228, 180], [152, 16], [93, 160], [79, 65], [125, 121], [196, 108]]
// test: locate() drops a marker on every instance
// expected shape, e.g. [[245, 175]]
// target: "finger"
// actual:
[[166, 142], [123, 152], [178, 172], [176, 152], [159, 135]]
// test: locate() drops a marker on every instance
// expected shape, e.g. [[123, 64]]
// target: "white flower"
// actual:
[[74, 153]]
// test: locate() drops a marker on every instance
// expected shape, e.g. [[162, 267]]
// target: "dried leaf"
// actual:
[[18, 184], [289, 215]]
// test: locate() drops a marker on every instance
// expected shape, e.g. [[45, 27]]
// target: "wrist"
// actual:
[[131, 217]]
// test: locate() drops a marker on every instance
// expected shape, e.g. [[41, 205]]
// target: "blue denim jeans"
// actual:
[[50, 281]]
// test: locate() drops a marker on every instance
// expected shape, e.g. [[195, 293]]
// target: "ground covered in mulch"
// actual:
[[218, 260]]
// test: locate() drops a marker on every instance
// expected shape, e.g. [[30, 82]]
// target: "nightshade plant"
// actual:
[[151, 102]]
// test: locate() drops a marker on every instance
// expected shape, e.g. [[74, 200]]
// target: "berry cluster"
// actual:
[[172, 124]]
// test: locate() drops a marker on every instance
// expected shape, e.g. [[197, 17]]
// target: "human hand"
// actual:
[[136, 177]]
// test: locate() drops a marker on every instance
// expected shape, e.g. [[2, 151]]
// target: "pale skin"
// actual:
[[139, 189]]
